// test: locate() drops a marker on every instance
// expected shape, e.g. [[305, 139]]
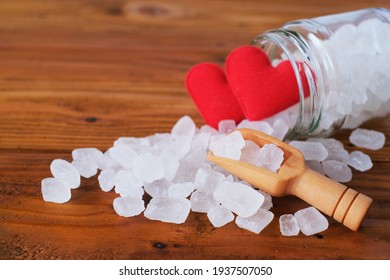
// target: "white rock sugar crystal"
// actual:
[[158, 188], [338, 171], [202, 201], [239, 198], [229, 146], [208, 179], [257, 222], [220, 216], [369, 139], [107, 162], [226, 126], [267, 204], [360, 161], [185, 126], [127, 183], [334, 147], [250, 153], [170, 164], [128, 206], [92, 154], [168, 209], [261, 126], [148, 167], [181, 190], [288, 225], [311, 150], [315, 165], [123, 154], [280, 129], [55, 190], [65, 171], [271, 157], [106, 180], [85, 166], [311, 221]]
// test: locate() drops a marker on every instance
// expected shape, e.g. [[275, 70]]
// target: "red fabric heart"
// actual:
[[261, 89], [208, 87]]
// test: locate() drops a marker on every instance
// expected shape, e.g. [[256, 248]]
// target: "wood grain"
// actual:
[[83, 73]]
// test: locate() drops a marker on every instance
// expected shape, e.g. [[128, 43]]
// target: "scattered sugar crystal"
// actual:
[[311, 221], [267, 204], [288, 225], [262, 126], [169, 210], [107, 162], [250, 153], [65, 171], [208, 129], [181, 190], [148, 167], [243, 123], [92, 154], [229, 146], [315, 165], [55, 190], [123, 154], [201, 140], [106, 179], [208, 179], [239, 198], [311, 150], [257, 222], [85, 166], [280, 129], [170, 164], [128, 206], [226, 126], [185, 127], [220, 216], [179, 147], [189, 166], [369, 139], [360, 161], [158, 187], [271, 157], [334, 147], [202, 201], [338, 171], [127, 183]]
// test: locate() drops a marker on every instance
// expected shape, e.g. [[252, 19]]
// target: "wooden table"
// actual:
[[83, 73]]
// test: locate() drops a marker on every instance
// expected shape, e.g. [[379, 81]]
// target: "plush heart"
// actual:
[[261, 89], [208, 87]]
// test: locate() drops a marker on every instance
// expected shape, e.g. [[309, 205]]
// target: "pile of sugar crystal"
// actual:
[[172, 169]]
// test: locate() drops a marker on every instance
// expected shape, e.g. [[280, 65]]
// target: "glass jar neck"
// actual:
[[311, 67]]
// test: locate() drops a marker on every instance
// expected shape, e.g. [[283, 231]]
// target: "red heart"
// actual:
[[261, 89], [211, 93]]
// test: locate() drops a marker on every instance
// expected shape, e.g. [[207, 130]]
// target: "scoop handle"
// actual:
[[345, 205]]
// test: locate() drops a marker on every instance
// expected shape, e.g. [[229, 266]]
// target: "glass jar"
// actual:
[[342, 67]]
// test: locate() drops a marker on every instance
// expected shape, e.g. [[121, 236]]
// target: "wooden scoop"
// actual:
[[345, 205]]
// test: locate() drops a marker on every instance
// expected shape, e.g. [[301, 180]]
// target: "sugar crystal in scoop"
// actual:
[[65, 171], [169, 210], [360, 161], [270, 157], [257, 222], [288, 225], [220, 216], [311, 221], [229, 146], [250, 153], [55, 190], [239, 198], [128, 206], [369, 139]]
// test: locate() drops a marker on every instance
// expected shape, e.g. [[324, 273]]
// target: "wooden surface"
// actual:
[[83, 73]]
